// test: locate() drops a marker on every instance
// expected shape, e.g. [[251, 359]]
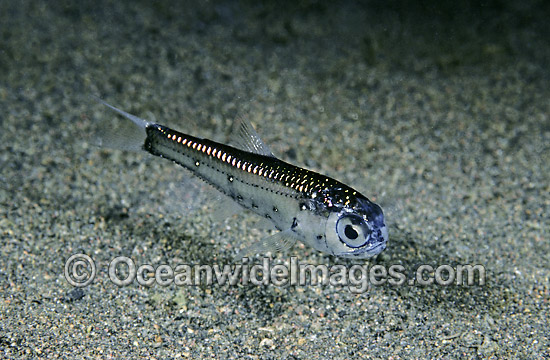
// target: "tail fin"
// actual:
[[124, 137]]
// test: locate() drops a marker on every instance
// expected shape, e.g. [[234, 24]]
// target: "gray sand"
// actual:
[[439, 113]]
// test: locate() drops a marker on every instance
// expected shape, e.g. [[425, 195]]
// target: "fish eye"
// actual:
[[352, 230]]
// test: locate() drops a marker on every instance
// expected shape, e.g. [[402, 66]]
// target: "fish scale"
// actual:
[[239, 174]]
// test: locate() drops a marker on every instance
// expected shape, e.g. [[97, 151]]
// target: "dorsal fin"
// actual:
[[246, 138]]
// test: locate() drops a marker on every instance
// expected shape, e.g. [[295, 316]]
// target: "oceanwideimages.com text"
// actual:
[[80, 271]]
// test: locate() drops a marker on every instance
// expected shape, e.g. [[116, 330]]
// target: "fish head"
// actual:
[[356, 229]]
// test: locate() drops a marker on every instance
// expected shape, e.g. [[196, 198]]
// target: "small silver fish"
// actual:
[[303, 205]]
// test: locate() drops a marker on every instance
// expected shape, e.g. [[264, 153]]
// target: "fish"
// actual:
[[301, 204]]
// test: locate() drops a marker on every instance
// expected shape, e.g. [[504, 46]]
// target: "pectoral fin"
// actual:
[[280, 241]]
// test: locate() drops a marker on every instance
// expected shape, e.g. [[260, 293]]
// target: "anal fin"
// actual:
[[226, 208]]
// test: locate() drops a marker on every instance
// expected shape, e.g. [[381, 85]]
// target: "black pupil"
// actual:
[[350, 232]]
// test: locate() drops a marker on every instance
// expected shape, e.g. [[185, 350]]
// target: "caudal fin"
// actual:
[[126, 136]]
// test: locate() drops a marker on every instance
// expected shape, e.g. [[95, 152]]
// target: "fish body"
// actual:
[[303, 205]]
